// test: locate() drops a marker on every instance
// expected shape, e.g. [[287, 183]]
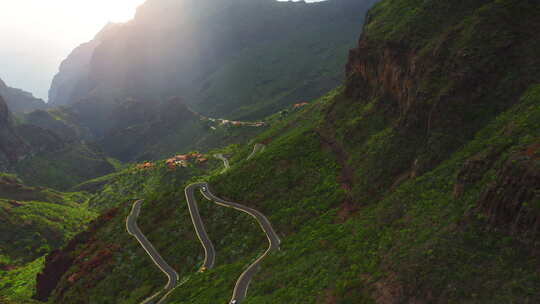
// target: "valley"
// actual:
[[262, 152]]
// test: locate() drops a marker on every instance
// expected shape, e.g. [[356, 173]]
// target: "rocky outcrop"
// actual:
[[12, 147], [75, 69], [20, 101], [512, 202], [438, 85]]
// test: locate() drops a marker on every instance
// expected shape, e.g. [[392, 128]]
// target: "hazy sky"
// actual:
[[36, 35]]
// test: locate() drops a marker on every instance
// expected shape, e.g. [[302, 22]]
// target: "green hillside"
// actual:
[[352, 251], [417, 181], [34, 221]]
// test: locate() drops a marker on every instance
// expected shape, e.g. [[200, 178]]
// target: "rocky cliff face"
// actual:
[[19, 100], [209, 52], [12, 147], [438, 76], [75, 69]]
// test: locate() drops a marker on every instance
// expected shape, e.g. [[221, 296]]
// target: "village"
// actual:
[[183, 160], [225, 122]]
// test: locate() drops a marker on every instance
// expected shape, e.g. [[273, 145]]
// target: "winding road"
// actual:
[[242, 284], [225, 161], [256, 149], [209, 251], [133, 229]]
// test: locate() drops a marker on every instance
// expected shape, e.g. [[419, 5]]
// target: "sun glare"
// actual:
[[118, 10], [56, 27]]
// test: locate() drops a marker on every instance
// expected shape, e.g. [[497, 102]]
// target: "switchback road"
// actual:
[[133, 229], [209, 251], [257, 148], [242, 284], [225, 161]]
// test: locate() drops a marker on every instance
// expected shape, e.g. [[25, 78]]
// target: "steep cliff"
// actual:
[[236, 57], [12, 147], [75, 69]]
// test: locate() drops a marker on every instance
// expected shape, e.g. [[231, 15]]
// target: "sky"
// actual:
[[36, 35]]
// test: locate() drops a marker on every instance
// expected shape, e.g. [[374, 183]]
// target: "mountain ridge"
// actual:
[[20, 101], [154, 69]]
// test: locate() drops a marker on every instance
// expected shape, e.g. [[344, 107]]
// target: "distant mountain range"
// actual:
[[47, 147], [239, 58]]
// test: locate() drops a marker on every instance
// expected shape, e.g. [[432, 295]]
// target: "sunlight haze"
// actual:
[[37, 35]]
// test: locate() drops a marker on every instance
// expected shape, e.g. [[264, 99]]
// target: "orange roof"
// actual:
[[182, 157], [145, 165], [298, 105]]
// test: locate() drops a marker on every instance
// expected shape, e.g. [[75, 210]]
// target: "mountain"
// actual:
[[144, 131], [12, 148], [20, 101], [417, 181], [47, 148], [75, 67], [239, 58]]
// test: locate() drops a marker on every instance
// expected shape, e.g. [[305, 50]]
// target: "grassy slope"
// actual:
[[128, 275], [64, 168], [39, 221], [418, 241], [355, 228], [17, 286]]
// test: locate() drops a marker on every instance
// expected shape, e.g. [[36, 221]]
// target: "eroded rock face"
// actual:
[[12, 147], [56, 264], [513, 200], [441, 90], [59, 261], [473, 170], [74, 69]]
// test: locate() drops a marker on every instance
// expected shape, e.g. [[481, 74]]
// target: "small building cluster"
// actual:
[[181, 161], [300, 105], [145, 166], [225, 122]]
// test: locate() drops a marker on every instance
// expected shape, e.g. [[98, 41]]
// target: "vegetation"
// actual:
[[18, 285], [417, 181], [64, 168], [33, 221]]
